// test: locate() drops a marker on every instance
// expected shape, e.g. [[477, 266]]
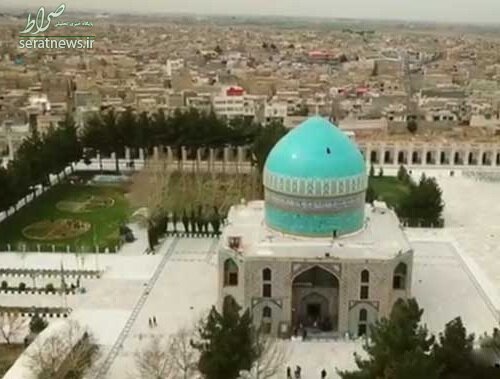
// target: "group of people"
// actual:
[[152, 322], [297, 374]]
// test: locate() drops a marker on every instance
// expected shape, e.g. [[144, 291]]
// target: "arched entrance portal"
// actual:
[[315, 299]]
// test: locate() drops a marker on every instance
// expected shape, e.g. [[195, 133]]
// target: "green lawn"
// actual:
[[104, 220], [389, 189]]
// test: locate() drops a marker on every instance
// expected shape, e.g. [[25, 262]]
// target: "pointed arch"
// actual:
[[399, 276], [266, 274], [365, 276], [231, 273]]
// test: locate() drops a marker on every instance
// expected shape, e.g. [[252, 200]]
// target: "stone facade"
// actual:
[[381, 296]]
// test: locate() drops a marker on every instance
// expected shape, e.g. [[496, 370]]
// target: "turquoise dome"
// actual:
[[315, 181], [303, 152]]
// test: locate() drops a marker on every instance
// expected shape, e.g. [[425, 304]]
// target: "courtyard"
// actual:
[[179, 284]]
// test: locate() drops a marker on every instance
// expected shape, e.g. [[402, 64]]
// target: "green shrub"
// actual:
[[4, 285], [37, 324], [49, 288], [22, 286]]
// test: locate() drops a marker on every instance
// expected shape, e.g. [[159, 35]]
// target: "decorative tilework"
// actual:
[[314, 187]]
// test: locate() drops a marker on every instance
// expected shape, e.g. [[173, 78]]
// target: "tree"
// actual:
[[371, 196], [412, 126], [272, 355], [153, 362], [185, 221], [37, 324], [399, 347], [372, 171], [183, 356], [423, 204], [403, 174], [69, 353], [453, 351], [265, 141], [226, 343], [11, 326]]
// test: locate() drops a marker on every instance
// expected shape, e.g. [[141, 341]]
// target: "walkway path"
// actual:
[[108, 361]]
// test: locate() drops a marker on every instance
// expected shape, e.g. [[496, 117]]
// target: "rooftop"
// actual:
[[381, 238]]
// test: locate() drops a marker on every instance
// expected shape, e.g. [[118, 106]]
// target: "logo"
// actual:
[[40, 20], [31, 37]]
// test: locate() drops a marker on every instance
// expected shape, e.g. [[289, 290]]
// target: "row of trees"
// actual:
[[37, 158], [400, 347], [192, 222], [227, 345], [41, 155], [111, 133]]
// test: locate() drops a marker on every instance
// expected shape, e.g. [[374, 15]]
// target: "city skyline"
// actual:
[[455, 11]]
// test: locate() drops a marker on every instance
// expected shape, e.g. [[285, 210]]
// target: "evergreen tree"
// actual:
[[175, 220], [193, 221], [453, 352], [37, 324], [227, 343], [370, 194], [398, 348], [185, 221], [423, 204], [199, 219], [265, 141], [403, 174]]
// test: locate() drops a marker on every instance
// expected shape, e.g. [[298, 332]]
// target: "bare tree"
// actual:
[[11, 326], [184, 357], [153, 362], [69, 351], [272, 355]]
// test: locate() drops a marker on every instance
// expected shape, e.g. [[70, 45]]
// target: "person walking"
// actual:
[[154, 321], [288, 373], [323, 374], [150, 323], [298, 372]]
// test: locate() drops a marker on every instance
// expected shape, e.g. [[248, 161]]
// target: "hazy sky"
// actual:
[[431, 10]]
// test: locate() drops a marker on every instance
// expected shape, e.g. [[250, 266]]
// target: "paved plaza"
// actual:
[[182, 278]]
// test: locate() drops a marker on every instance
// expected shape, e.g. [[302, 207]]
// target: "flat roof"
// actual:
[[381, 238]]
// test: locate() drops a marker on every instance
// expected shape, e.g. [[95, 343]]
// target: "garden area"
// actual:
[[390, 189], [78, 216], [417, 204]]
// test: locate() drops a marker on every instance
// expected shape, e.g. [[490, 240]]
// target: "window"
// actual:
[[397, 283], [230, 273], [266, 274], [266, 312], [365, 276], [363, 293], [363, 315], [266, 290], [399, 278]]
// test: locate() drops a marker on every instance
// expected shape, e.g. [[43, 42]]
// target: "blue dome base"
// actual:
[[318, 225]]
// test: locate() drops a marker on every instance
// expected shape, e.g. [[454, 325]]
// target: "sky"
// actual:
[[469, 11]]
